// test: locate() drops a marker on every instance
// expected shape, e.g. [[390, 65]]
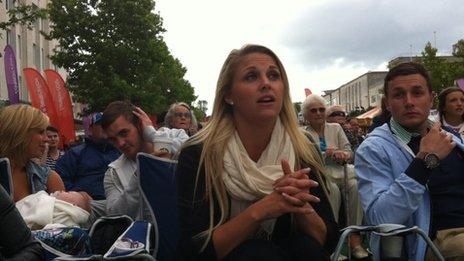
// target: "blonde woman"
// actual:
[[23, 138], [250, 183]]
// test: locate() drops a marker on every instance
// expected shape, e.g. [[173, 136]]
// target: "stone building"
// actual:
[[360, 93], [30, 47]]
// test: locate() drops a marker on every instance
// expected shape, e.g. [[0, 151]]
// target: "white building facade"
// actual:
[[358, 94], [30, 47]]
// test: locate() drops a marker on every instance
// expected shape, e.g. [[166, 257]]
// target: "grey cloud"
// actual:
[[370, 32]]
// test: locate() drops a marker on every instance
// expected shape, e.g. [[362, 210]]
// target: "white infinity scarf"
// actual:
[[248, 180]]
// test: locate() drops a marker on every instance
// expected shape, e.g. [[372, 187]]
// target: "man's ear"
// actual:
[[387, 106]]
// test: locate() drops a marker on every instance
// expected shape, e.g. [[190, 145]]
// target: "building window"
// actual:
[[9, 4], [20, 45], [37, 29], [10, 39], [36, 55], [23, 93], [42, 59], [8, 36]]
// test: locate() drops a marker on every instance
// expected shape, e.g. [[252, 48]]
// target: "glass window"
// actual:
[[42, 59], [35, 58], [8, 36], [20, 45], [9, 4]]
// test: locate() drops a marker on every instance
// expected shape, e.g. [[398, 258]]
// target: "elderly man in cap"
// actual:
[[83, 167]]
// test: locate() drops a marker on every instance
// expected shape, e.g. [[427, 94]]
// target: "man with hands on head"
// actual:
[[130, 129], [410, 170]]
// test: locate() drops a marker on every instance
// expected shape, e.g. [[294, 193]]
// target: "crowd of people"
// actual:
[[253, 184]]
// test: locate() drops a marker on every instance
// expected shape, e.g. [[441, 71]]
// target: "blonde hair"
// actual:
[[216, 134], [17, 124], [310, 99]]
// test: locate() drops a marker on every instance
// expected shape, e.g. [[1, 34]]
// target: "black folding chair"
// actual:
[[5, 176]]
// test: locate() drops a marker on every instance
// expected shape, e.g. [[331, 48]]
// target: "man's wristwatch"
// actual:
[[431, 160]]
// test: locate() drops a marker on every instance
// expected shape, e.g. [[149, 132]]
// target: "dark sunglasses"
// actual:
[[315, 110], [337, 113], [182, 114]]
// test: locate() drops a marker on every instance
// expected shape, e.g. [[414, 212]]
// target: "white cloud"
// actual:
[[322, 44]]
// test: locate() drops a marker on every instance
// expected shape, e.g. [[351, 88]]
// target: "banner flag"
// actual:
[[63, 106], [40, 96], [460, 83], [308, 92], [11, 75]]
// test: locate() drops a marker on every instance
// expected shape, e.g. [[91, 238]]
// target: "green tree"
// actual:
[[297, 106], [114, 50], [458, 51], [199, 114], [441, 72], [202, 105]]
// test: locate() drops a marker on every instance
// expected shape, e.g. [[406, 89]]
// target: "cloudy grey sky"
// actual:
[[322, 43]]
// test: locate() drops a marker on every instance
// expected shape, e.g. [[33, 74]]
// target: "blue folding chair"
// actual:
[[5, 176], [138, 232], [158, 183]]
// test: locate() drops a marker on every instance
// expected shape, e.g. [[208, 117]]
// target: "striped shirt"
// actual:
[[50, 162], [402, 134]]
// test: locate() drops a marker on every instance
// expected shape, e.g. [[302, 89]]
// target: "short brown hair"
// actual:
[[405, 69], [52, 129], [116, 109]]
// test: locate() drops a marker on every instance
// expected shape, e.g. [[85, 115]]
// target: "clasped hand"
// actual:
[[295, 186], [291, 195], [338, 156]]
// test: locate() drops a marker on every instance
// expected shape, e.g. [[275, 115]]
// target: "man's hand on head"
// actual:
[[143, 117]]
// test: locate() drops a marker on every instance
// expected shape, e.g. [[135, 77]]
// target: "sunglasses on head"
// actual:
[[337, 113], [182, 114], [315, 110]]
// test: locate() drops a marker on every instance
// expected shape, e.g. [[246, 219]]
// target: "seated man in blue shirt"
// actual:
[[83, 167], [411, 170]]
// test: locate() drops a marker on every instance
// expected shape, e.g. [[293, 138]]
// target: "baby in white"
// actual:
[[64, 208]]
